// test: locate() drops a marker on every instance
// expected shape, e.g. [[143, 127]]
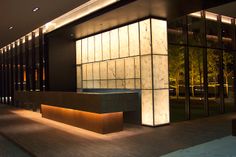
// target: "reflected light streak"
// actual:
[[130, 130], [79, 12]]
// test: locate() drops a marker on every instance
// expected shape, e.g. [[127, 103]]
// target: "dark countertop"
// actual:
[[97, 102]]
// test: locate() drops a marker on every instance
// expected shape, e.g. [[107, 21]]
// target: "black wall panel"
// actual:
[[61, 58]]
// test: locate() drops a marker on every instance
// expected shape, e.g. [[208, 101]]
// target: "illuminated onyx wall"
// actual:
[[130, 57]]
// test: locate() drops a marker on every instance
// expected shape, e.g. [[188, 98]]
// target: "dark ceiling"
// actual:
[[19, 14], [122, 13], [226, 9]]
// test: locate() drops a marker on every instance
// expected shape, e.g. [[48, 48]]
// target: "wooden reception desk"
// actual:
[[98, 112]]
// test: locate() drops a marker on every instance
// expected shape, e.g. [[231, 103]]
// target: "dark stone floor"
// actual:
[[9, 149], [45, 138]]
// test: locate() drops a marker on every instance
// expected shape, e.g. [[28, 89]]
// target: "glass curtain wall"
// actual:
[[196, 82], [228, 70], [213, 74], [177, 81], [177, 47], [201, 65]]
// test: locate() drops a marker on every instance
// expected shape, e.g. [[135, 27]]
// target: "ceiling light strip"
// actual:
[[75, 14]]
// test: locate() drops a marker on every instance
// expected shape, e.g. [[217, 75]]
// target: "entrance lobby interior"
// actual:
[[111, 67]]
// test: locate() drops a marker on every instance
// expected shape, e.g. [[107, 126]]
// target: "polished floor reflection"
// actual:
[[47, 138], [9, 149]]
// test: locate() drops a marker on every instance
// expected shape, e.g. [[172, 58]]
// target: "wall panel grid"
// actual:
[[134, 56], [18, 64]]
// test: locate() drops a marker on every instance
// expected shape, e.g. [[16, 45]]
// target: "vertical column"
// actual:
[[78, 64], [33, 68], [41, 59], [146, 73], [186, 65], [234, 60], [205, 68], [12, 73], [1, 82], [221, 73], [154, 72], [21, 66], [7, 76], [16, 67], [160, 72], [46, 73], [5, 72], [27, 69], [4, 76]]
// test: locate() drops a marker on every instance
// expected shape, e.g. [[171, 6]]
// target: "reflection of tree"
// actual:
[[196, 68], [213, 67], [176, 66], [228, 61]]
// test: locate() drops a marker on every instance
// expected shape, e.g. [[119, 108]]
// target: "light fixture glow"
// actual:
[[226, 19], [211, 16], [196, 14], [10, 28], [35, 9], [79, 12]]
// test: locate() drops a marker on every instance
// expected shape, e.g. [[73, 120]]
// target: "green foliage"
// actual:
[[176, 66], [228, 61], [228, 70], [213, 61], [196, 66]]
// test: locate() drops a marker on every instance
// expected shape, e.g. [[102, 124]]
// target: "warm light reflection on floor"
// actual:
[[129, 129], [98, 122]]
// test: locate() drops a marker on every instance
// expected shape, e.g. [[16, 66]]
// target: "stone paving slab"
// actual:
[[9, 149], [45, 138], [223, 147]]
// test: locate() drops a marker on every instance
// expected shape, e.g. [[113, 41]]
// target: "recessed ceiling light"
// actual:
[[10, 28], [35, 9]]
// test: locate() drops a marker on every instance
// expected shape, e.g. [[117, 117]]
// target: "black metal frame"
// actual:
[[41, 59], [186, 72], [234, 58], [1, 74], [4, 76], [7, 76], [12, 74], [16, 68], [21, 66], [27, 68], [205, 66], [33, 65], [221, 74]]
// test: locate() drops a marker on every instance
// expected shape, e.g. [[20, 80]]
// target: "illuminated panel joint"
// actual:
[[148, 70]]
